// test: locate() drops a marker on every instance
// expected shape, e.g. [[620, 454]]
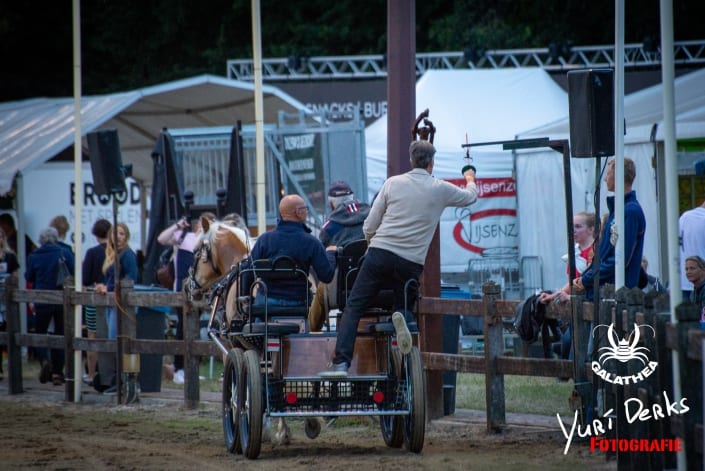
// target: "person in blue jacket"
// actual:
[[633, 233], [292, 238], [42, 271], [128, 269]]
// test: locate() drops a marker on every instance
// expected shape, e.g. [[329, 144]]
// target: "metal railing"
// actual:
[[374, 66]]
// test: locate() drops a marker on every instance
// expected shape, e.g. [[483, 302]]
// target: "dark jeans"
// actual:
[[44, 314], [380, 269], [179, 359]]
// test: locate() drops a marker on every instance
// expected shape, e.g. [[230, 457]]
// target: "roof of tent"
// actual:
[[482, 104], [34, 131], [644, 108]]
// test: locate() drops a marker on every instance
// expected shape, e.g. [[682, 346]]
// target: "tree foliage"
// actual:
[[128, 44]]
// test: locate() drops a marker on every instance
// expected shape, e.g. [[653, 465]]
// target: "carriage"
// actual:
[[272, 361]]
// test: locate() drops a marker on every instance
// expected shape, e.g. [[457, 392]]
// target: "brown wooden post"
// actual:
[[494, 347], [664, 372], [69, 362], [432, 329], [14, 350], [191, 319], [691, 380], [126, 333]]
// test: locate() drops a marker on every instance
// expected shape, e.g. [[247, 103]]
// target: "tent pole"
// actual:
[[619, 259], [259, 117], [669, 144], [78, 199]]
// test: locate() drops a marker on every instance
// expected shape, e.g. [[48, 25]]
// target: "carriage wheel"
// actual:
[[393, 425], [252, 410], [232, 399], [415, 422]]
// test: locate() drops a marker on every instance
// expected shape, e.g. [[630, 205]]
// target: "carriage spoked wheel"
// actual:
[[252, 405], [392, 425], [232, 399], [415, 422]]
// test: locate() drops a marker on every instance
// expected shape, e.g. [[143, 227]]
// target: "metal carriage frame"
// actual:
[[272, 363]]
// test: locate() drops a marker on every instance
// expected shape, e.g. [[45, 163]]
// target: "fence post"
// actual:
[[688, 315], [664, 372], [494, 347], [191, 320], [128, 363], [580, 330], [14, 350], [69, 360]]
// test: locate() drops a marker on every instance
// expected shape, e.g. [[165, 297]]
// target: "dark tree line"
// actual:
[[128, 44]]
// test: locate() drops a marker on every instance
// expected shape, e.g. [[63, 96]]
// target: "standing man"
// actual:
[[343, 226], [633, 233], [691, 235], [399, 230]]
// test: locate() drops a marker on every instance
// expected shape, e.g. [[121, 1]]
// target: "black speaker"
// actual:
[[591, 109], [106, 162]]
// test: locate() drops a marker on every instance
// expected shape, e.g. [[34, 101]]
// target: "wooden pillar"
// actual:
[[14, 327], [69, 361], [401, 82], [191, 319], [494, 347]]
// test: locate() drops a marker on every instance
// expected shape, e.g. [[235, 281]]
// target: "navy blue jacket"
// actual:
[[128, 269], [93, 265], [43, 265], [293, 240], [633, 233]]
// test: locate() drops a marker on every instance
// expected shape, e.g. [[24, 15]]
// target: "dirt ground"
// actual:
[[39, 430]]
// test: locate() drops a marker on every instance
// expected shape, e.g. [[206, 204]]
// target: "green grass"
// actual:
[[522, 394]]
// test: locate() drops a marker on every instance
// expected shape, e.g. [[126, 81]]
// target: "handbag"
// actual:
[[165, 269], [62, 272]]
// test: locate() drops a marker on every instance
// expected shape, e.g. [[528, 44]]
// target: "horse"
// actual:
[[219, 248]]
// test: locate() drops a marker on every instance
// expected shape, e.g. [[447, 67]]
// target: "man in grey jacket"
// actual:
[[399, 230]]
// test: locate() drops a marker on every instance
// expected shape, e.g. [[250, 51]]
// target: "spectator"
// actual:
[[652, 282], [42, 269], [399, 229], [691, 235], [292, 238], [7, 224], [584, 236], [183, 241], [343, 226], [92, 270], [695, 272], [634, 228], [8, 266], [61, 224], [128, 269], [234, 219]]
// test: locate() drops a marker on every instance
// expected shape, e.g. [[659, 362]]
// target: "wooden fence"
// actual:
[[623, 310]]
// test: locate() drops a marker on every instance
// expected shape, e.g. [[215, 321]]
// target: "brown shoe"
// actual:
[[57, 379]]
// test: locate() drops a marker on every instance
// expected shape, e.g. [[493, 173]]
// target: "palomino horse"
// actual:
[[220, 247]]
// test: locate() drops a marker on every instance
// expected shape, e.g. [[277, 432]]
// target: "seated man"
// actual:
[[343, 226], [291, 238]]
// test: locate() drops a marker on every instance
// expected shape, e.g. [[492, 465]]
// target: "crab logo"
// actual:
[[624, 350]]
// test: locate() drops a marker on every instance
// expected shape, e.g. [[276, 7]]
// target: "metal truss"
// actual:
[[637, 55]]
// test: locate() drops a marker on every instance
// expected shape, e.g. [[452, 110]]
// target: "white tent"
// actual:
[[485, 105], [36, 130], [642, 111]]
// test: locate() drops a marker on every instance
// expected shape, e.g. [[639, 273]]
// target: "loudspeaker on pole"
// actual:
[[106, 162], [591, 110]]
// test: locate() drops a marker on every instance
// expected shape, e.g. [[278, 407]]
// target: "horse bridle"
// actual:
[[202, 254]]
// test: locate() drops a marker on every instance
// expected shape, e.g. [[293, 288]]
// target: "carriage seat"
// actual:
[[348, 261], [266, 272]]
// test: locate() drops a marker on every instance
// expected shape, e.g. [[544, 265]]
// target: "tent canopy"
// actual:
[[36, 130]]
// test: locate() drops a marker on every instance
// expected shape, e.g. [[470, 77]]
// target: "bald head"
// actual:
[[293, 208]]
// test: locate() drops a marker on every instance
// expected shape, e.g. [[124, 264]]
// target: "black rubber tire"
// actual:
[[252, 406], [232, 399], [415, 422], [393, 425]]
